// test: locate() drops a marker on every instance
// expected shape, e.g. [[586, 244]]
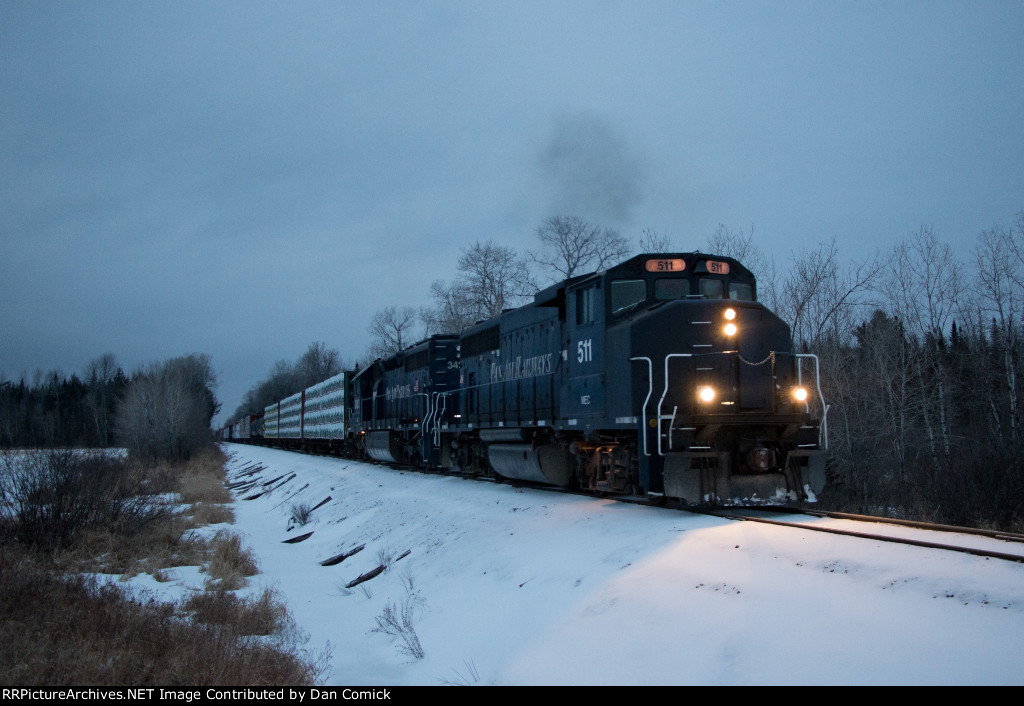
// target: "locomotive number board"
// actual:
[[718, 268], [668, 265]]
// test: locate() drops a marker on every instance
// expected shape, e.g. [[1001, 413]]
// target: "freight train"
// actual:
[[660, 377]]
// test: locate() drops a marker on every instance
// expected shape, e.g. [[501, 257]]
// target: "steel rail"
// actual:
[[867, 535]]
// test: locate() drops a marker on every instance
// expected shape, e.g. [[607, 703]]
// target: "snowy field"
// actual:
[[518, 586]]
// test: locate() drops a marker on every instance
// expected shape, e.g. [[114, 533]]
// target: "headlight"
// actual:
[[706, 394], [730, 314], [800, 394], [730, 329]]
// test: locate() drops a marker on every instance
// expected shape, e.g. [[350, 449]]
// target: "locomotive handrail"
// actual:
[[665, 394], [650, 391], [438, 413], [425, 426], [823, 428]]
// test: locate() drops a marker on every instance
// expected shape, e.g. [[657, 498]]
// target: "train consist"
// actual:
[[660, 377]]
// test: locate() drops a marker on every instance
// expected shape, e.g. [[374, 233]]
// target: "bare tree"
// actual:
[[740, 246], [651, 241], [1001, 275], [100, 374], [819, 298], [923, 285], [492, 278], [102, 369], [572, 246], [391, 330], [452, 311], [282, 382], [166, 410], [318, 363], [1001, 296]]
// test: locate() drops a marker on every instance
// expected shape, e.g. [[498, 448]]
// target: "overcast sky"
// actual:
[[243, 178]]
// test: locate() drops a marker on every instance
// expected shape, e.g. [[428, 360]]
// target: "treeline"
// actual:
[[922, 360], [160, 412], [55, 410], [285, 379]]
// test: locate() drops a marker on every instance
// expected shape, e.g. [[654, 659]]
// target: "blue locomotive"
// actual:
[[660, 377]]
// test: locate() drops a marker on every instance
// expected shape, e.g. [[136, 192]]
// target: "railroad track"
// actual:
[[979, 542], [772, 515]]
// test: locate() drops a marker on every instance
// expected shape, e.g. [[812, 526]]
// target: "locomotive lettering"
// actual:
[[522, 368], [398, 392]]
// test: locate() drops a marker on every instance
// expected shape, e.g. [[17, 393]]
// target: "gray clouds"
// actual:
[[243, 178]]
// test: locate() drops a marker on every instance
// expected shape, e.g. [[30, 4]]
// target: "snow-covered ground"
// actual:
[[520, 586]]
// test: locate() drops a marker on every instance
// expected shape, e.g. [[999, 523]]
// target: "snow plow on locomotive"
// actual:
[[660, 377]]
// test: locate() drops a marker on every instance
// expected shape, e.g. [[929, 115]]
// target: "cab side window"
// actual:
[[585, 306]]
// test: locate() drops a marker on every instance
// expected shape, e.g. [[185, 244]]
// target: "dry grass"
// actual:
[[60, 628], [201, 480], [301, 513], [202, 514], [201, 485], [229, 562], [167, 544], [67, 630], [265, 615]]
